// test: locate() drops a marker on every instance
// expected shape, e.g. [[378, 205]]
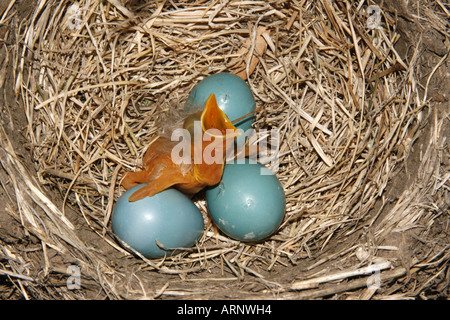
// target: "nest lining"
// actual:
[[98, 88], [88, 135]]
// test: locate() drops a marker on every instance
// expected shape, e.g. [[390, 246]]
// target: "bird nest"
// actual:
[[97, 80]]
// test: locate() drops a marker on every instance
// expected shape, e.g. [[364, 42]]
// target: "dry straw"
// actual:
[[98, 77]]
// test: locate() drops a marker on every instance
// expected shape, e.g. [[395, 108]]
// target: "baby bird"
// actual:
[[204, 165]]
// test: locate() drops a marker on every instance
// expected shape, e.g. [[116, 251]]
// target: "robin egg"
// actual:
[[249, 202], [155, 226], [233, 95]]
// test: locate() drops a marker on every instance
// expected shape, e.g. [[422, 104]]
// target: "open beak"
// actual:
[[213, 117]]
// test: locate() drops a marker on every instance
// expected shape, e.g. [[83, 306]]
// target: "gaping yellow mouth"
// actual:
[[212, 117]]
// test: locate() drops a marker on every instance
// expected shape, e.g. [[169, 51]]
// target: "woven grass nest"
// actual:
[[97, 79]]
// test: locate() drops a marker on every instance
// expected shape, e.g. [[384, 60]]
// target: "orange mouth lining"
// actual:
[[213, 117]]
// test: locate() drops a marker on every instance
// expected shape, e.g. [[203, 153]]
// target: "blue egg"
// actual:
[[233, 96], [168, 217], [249, 202]]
